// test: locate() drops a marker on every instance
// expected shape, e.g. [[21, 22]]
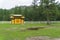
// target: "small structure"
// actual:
[[17, 19]]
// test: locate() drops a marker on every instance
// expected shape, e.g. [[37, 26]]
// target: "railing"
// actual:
[[32, 22]]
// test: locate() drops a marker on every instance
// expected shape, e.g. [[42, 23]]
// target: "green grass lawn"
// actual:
[[8, 31]]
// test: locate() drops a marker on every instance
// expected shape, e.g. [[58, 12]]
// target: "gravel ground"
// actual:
[[42, 38]]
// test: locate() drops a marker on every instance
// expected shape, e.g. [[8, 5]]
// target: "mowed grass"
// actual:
[[13, 32]]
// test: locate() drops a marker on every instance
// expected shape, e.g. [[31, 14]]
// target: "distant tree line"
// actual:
[[39, 11]]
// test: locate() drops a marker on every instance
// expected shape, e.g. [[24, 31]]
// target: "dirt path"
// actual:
[[42, 38]]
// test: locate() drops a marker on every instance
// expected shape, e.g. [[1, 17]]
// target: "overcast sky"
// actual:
[[7, 4]]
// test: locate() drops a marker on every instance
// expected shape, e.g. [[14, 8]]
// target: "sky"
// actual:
[[7, 4]]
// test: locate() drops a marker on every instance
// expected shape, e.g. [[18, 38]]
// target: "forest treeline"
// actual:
[[39, 10]]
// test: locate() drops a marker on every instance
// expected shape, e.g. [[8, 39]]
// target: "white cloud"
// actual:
[[12, 3], [58, 1]]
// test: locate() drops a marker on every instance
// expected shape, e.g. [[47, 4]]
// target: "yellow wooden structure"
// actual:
[[17, 19]]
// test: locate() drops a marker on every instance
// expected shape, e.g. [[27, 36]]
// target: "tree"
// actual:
[[48, 9]]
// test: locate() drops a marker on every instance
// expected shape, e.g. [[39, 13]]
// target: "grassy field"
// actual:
[[12, 31]]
